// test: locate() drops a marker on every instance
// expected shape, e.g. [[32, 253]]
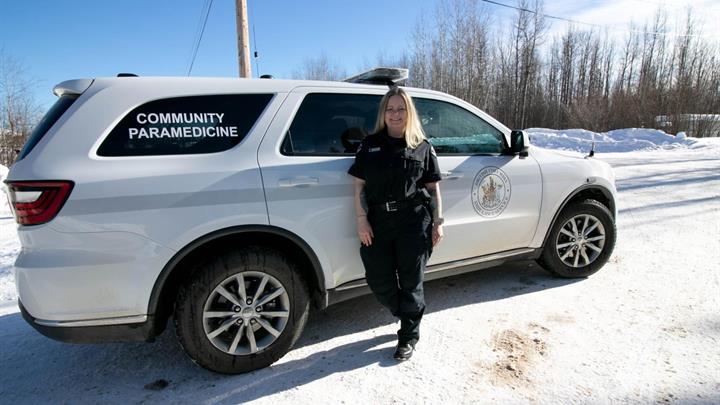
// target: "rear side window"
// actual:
[[185, 125], [54, 113], [331, 124]]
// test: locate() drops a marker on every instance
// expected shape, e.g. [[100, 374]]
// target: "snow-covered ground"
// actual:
[[645, 329], [9, 244]]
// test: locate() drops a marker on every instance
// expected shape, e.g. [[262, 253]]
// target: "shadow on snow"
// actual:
[[121, 370]]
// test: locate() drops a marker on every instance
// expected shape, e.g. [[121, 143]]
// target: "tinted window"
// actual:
[[454, 130], [331, 124], [185, 125], [53, 114]]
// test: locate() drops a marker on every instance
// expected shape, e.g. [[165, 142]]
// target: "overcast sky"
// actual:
[[59, 40]]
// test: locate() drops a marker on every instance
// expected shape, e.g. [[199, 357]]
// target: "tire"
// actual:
[[213, 322], [581, 240]]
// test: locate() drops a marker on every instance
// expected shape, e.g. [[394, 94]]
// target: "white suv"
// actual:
[[226, 204]]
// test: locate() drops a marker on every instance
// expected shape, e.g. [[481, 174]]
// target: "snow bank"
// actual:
[[619, 140]]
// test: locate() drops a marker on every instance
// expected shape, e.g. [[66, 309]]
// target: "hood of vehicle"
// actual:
[[572, 163]]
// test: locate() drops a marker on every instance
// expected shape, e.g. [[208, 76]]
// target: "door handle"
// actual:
[[451, 175], [298, 182]]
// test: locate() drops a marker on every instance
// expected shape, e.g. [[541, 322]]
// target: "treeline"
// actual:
[[515, 70], [583, 78]]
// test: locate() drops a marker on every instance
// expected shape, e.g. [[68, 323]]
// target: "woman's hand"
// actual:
[[437, 234], [364, 230]]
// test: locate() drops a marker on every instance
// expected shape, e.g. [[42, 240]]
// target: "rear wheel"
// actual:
[[242, 311], [581, 241]]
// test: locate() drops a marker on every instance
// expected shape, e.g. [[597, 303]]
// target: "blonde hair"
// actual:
[[414, 134]]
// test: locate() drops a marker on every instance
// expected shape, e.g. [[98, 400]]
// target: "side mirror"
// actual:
[[519, 143]]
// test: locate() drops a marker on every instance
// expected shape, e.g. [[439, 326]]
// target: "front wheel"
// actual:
[[581, 241], [242, 311]]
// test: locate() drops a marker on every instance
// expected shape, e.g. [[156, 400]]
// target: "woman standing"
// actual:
[[398, 208]]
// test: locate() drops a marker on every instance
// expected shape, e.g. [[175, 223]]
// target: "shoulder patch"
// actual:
[[430, 145]]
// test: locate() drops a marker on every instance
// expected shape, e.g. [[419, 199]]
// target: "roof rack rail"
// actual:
[[127, 75], [381, 75]]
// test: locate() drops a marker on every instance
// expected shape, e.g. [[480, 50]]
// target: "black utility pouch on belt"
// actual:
[[424, 196]]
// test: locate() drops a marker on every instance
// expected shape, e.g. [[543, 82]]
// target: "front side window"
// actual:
[[329, 124], [185, 125], [452, 129]]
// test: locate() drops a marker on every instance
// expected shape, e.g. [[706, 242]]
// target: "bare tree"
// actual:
[[18, 110], [319, 68], [453, 54], [518, 65], [583, 78]]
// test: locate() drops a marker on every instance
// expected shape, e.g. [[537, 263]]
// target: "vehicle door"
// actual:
[[304, 158], [491, 201]]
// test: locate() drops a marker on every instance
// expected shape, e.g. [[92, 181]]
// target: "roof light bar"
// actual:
[[381, 75]]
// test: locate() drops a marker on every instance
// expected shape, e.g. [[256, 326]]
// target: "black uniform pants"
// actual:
[[395, 264]]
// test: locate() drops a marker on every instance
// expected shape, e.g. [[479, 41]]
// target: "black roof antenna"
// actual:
[[592, 147]]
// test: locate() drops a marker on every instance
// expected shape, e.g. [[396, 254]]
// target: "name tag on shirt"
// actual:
[[374, 149]]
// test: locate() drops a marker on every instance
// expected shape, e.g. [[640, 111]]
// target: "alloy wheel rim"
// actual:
[[246, 313], [580, 241]]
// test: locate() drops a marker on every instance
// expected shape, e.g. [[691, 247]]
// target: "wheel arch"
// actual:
[[184, 262], [594, 192]]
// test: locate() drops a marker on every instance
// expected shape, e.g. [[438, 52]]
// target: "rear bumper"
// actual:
[[73, 277], [141, 331]]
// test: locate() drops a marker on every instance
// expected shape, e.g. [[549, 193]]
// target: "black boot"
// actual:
[[404, 351]]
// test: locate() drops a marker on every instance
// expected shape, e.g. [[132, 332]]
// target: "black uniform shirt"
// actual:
[[391, 170]]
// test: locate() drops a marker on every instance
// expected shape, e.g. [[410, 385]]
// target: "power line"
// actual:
[[257, 55], [589, 24], [544, 15], [199, 35]]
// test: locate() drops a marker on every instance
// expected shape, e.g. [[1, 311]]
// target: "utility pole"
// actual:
[[243, 34]]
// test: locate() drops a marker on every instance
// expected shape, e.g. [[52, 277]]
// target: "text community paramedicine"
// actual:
[[181, 125]]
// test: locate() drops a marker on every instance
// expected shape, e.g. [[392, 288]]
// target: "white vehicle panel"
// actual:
[[468, 233], [471, 231], [81, 276], [156, 197], [562, 174]]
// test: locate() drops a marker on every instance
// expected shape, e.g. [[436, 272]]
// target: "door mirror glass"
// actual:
[[519, 142]]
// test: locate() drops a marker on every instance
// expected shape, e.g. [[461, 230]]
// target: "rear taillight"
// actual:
[[37, 202]]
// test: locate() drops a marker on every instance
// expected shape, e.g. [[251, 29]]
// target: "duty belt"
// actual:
[[392, 206]]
